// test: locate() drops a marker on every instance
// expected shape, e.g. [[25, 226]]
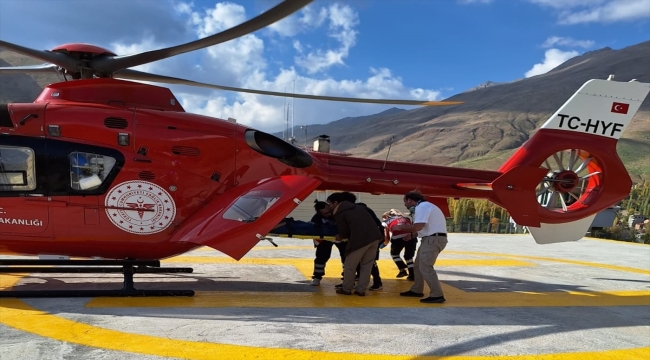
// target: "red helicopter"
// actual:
[[105, 168]]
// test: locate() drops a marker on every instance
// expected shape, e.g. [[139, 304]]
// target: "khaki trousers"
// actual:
[[430, 248], [364, 256]]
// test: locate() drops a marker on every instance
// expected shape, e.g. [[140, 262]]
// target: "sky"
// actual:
[[397, 49]]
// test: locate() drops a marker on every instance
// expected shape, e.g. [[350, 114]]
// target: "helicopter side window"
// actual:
[[17, 169], [88, 171], [251, 206]]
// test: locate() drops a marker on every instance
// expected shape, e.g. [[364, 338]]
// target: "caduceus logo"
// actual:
[[140, 207]]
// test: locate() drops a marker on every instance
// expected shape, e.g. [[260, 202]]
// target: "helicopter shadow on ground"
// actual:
[[160, 282]]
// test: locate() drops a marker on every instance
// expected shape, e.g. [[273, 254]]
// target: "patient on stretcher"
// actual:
[[292, 227]]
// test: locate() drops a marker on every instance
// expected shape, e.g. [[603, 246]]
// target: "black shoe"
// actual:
[[433, 300], [343, 292], [338, 286], [376, 287], [411, 278], [360, 293], [402, 273], [411, 294]]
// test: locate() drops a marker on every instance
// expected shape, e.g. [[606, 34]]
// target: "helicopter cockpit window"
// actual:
[[88, 171], [17, 171], [251, 206]]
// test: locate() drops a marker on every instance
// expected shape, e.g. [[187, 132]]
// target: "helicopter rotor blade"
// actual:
[[30, 69], [109, 65], [55, 58], [143, 76]]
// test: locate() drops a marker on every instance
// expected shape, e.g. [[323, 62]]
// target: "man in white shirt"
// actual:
[[430, 224]]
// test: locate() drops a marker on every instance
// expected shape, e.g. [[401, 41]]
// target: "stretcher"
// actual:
[[314, 237], [297, 229]]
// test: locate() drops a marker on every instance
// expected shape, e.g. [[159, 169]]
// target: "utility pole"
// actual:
[[305, 128]]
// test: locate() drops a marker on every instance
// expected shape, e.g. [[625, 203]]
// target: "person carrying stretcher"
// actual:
[[323, 220]]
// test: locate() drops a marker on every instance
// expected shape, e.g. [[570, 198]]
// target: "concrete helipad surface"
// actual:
[[507, 298]]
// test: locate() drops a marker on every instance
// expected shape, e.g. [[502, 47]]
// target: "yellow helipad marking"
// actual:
[[386, 299], [614, 241], [282, 247], [565, 261], [19, 315], [389, 296]]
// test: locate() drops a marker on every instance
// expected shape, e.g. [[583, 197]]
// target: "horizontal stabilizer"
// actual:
[[515, 191], [555, 233]]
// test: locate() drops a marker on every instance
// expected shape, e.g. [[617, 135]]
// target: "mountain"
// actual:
[[484, 85], [494, 120], [22, 87], [480, 133]]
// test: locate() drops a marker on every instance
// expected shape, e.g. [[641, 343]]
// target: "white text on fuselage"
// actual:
[[10, 221], [593, 126]]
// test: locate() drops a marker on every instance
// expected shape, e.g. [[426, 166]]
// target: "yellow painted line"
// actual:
[[387, 298], [7, 281], [306, 267], [614, 241], [292, 262], [21, 316], [281, 247], [564, 261]]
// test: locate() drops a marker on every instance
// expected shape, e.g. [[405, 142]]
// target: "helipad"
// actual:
[[507, 298]]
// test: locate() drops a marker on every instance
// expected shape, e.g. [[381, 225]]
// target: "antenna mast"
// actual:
[[293, 109], [286, 117], [388, 152]]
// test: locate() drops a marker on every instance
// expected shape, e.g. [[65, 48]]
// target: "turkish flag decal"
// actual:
[[620, 108]]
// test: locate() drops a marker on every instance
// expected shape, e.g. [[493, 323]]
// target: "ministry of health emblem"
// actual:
[[140, 207]]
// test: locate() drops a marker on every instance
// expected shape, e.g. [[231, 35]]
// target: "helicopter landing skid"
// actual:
[[127, 267]]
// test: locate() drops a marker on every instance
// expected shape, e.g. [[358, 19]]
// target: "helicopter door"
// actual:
[[28, 119], [24, 208], [238, 219]]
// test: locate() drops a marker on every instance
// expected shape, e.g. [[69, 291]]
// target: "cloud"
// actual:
[[342, 20], [308, 19], [266, 112], [552, 58], [567, 41], [572, 12], [243, 63]]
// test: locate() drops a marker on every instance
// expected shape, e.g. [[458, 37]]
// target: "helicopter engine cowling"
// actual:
[[271, 146]]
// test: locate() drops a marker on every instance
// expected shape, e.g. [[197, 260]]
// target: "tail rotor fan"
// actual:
[[573, 181]]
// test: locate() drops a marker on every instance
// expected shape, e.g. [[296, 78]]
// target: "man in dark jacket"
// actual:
[[355, 224]]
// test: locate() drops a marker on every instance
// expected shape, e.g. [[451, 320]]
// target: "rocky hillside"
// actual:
[[22, 87]]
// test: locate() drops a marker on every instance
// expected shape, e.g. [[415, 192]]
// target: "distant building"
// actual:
[[635, 219], [641, 226], [604, 219]]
